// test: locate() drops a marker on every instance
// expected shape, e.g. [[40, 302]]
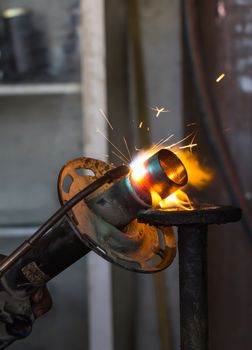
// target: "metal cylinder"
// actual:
[[52, 254], [163, 173], [192, 244]]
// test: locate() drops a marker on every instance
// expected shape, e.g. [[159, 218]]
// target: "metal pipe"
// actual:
[[163, 173], [192, 245], [52, 254]]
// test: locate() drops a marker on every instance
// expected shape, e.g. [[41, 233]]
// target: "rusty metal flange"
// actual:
[[138, 247]]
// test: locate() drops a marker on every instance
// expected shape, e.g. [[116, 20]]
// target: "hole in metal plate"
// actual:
[[66, 184], [84, 172]]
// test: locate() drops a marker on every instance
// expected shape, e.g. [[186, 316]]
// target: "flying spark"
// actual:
[[140, 125], [220, 78], [191, 145], [119, 157], [117, 149], [180, 141], [127, 147], [161, 142], [105, 117], [160, 110]]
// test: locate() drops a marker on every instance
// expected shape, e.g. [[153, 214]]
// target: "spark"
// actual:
[[191, 145], [105, 117], [127, 147], [180, 141], [127, 160], [162, 141], [148, 129], [191, 124], [140, 125], [220, 78], [160, 110], [119, 157]]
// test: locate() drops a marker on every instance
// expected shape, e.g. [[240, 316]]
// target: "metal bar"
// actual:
[[192, 244], [40, 89]]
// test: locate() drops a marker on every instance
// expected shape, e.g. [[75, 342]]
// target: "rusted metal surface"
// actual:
[[34, 274], [139, 247]]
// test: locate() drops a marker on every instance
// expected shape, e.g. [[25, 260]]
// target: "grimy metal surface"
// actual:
[[204, 215], [52, 254], [192, 244], [138, 247]]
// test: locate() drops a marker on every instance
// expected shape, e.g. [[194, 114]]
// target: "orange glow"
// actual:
[[198, 175], [178, 199], [155, 198]]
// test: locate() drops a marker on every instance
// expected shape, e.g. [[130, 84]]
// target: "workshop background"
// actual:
[[126, 57]]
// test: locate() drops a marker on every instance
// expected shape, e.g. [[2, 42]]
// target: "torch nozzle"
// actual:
[[118, 172]]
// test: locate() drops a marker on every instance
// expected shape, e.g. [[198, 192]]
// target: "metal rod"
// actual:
[[192, 244], [110, 176]]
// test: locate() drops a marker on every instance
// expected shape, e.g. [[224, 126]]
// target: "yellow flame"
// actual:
[[178, 199], [155, 198], [198, 175]]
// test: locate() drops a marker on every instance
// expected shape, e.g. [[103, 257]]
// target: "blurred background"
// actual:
[[63, 64]]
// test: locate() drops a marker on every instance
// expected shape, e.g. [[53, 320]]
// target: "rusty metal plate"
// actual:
[[139, 247]]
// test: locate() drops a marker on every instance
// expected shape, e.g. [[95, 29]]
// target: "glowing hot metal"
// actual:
[[163, 173]]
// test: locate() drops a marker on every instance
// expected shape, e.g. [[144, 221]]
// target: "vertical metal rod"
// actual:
[[192, 244]]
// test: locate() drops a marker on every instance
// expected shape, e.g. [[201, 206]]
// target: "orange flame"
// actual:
[[155, 199], [178, 199], [199, 175]]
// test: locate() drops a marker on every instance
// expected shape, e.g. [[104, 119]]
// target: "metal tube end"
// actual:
[[164, 174]]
